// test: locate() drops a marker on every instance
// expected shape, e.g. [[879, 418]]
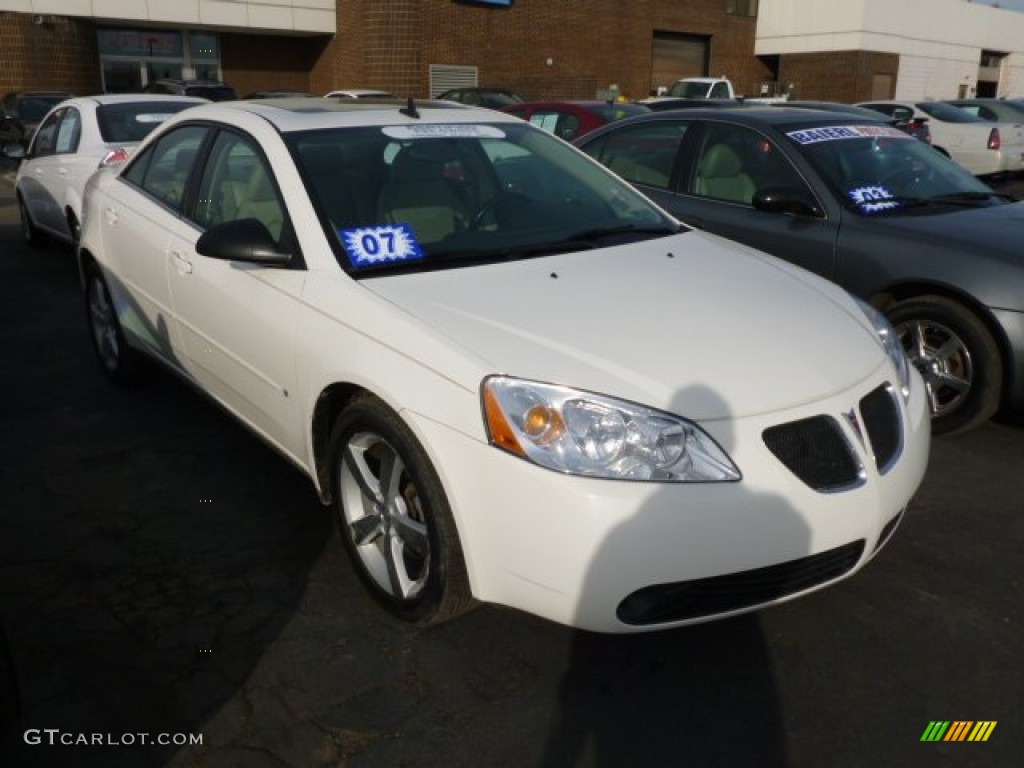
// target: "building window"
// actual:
[[741, 7]]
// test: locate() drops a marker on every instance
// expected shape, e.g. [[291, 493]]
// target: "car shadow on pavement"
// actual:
[[151, 549], [699, 695]]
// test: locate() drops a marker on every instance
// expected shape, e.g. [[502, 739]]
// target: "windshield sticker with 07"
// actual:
[[374, 246]]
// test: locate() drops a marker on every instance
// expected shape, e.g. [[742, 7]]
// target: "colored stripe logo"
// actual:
[[959, 730]]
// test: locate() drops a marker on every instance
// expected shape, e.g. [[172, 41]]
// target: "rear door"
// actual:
[[37, 177], [138, 217]]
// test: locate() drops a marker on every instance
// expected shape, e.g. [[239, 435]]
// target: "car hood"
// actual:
[[693, 324]]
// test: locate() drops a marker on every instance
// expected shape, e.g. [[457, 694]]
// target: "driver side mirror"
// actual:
[[791, 200], [245, 240], [14, 151]]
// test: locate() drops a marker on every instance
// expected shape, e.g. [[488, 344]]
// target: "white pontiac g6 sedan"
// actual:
[[75, 138], [514, 378]]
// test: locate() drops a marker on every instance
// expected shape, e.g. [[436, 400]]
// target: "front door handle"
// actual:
[[111, 216], [181, 263]]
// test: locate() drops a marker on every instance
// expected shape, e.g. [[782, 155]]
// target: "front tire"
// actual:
[[394, 516], [957, 357], [121, 363]]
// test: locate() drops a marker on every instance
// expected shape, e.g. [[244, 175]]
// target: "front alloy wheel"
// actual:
[[394, 516], [957, 358]]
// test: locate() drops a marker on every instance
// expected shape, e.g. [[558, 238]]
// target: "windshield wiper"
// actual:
[[584, 240], [967, 197], [625, 229]]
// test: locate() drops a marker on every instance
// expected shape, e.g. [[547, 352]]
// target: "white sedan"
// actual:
[[514, 378], [983, 148], [75, 138]]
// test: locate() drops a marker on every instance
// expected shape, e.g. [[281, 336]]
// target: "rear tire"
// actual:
[[29, 232], [957, 357], [121, 363], [394, 516]]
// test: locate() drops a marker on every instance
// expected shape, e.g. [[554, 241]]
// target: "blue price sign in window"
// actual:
[[372, 246]]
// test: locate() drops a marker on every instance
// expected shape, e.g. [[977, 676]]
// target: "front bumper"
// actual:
[[573, 549]]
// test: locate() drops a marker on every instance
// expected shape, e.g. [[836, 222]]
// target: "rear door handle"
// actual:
[[181, 263]]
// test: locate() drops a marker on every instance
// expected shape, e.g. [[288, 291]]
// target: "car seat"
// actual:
[[419, 195], [720, 175]]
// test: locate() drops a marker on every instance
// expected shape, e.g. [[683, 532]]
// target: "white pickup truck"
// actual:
[[712, 88]]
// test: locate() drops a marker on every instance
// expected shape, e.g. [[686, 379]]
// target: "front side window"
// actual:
[[237, 183], [734, 162], [438, 196], [69, 131], [163, 170], [45, 141]]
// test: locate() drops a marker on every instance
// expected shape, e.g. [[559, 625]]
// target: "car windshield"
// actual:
[[948, 113], [212, 92], [877, 169], [413, 198], [32, 109], [688, 89], [132, 122], [619, 111]]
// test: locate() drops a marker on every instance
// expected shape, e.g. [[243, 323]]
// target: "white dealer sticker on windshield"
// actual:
[[370, 246], [834, 132], [151, 118], [451, 131]]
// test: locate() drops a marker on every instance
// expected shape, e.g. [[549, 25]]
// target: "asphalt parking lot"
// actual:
[[162, 572]]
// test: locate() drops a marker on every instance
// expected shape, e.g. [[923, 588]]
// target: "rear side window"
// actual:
[[164, 169], [132, 122], [642, 154]]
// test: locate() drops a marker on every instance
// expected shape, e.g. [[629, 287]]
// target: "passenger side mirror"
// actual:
[[245, 240], [14, 151], [792, 200]]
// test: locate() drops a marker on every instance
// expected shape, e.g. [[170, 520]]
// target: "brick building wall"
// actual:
[[541, 48], [847, 76], [270, 62], [590, 44], [59, 54]]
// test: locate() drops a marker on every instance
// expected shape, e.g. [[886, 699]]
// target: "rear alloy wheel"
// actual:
[[120, 363], [956, 356], [394, 517], [29, 232]]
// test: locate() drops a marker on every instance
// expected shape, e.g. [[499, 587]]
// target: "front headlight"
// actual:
[[582, 433], [890, 343]]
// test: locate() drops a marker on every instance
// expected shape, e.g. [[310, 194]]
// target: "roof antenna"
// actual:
[[410, 110]]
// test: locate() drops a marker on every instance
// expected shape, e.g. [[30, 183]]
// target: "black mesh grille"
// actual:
[[882, 422], [815, 450], [732, 592]]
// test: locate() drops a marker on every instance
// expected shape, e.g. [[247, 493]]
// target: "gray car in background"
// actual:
[[865, 205]]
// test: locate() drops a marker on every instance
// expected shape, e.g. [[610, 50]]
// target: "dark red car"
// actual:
[[571, 119]]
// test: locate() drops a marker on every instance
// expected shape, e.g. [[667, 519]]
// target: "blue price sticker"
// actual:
[[373, 246]]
